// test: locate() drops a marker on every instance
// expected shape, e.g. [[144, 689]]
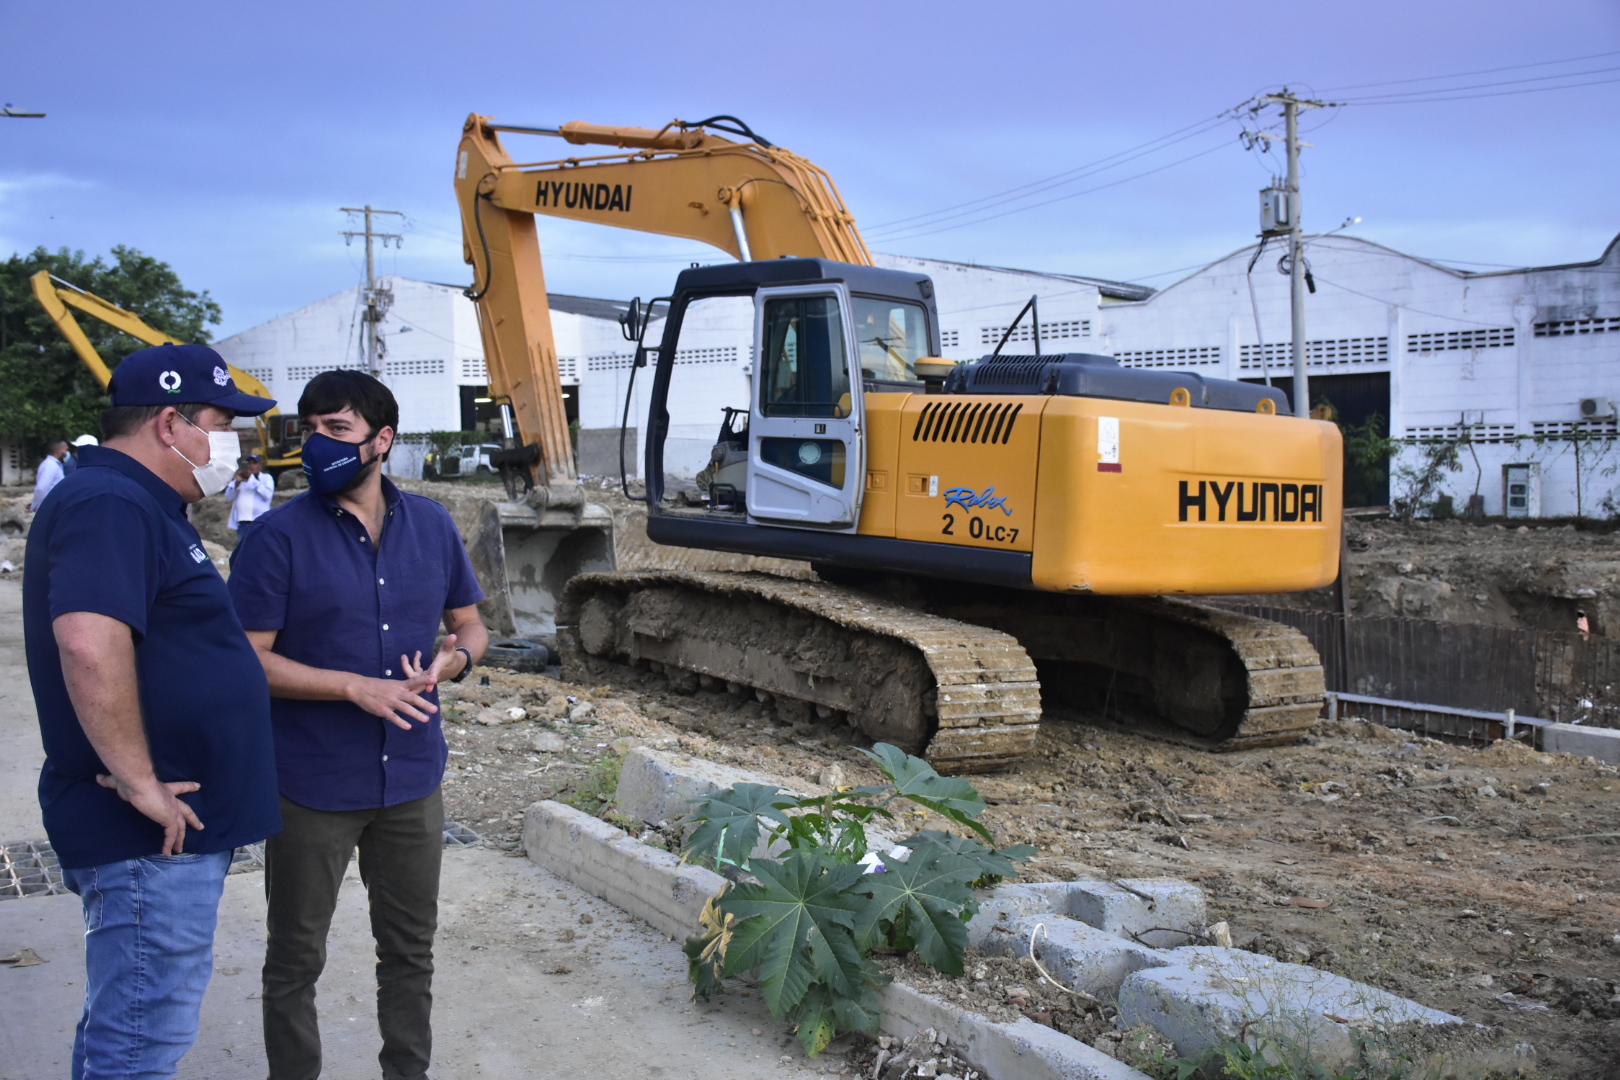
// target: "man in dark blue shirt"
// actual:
[[342, 590], [152, 704]]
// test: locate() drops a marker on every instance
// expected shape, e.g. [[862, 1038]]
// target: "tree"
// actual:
[[45, 392]]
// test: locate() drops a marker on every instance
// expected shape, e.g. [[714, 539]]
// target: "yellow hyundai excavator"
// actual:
[[985, 534], [278, 434]]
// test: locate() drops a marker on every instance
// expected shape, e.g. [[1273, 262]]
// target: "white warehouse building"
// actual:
[[1505, 358]]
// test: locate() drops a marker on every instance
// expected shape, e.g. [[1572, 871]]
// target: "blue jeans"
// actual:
[[148, 951]]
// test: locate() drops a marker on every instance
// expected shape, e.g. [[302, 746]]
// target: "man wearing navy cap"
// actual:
[[153, 707]]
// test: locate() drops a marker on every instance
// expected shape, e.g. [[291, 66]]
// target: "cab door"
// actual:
[[807, 462]]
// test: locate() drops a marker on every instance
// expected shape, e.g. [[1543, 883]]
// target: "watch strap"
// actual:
[[466, 670]]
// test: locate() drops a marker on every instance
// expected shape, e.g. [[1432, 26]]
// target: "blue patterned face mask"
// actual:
[[331, 466]]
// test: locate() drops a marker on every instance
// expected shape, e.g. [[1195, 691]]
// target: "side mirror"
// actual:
[[633, 321]]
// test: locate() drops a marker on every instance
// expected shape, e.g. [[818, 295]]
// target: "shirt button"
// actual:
[[388, 671], [381, 582], [385, 757], [385, 626]]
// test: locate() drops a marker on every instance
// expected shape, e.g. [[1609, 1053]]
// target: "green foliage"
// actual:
[[44, 390], [810, 918], [594, 793], [1422, 470], [1367, 453]]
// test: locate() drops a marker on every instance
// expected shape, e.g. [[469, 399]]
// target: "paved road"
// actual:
[[20, 751], [512, 999]]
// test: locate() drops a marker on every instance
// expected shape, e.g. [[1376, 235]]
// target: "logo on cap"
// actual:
[[170, 381], [221, 376]]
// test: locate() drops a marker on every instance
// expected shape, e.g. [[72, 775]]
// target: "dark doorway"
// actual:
[[1355, 399]]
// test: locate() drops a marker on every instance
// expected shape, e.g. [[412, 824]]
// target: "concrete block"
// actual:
[[1601, 743], [1078, 956], [1023, 1050], [650, 884], [1211, 994], [1007, 901], [1139, 905], [657, 785]]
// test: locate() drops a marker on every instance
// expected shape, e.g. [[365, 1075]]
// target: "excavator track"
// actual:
[[1162, 667], [952, 671], [966, 697]]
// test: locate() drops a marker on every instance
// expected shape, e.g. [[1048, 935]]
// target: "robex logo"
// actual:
[[583, 196], [1235, 500]]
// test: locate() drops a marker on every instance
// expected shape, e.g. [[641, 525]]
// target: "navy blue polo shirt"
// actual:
[[113, 539], [309, 571]]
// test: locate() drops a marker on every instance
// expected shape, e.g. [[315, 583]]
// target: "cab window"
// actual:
[[892, 335], [806, 365]]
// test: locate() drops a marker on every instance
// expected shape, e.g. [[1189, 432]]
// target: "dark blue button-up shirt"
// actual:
[[113, 540], [309, 571]]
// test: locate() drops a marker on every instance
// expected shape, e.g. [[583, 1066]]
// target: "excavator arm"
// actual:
[[57, 296], [750, 199]]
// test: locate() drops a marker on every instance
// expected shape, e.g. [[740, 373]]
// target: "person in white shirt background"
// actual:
[[50, 471], [71, 462], [250, 492]]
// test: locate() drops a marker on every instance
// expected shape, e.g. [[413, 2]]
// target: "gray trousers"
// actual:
[[401, 848]]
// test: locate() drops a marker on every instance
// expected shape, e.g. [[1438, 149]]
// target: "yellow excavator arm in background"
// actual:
[[57, 296], [750, 199]]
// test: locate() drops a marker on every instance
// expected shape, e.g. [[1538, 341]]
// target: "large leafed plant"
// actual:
[[808, 901]]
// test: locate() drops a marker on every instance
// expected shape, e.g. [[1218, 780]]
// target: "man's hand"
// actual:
[[445, 658], [158, 801], [389, 698]]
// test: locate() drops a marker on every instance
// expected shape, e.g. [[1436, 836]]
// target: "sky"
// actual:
[[224, 138]]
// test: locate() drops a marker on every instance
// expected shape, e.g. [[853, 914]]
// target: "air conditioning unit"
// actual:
[[1597, 408]]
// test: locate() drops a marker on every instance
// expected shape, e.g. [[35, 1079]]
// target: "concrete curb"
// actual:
[[654, 887], [643, 881], [1600, 743]]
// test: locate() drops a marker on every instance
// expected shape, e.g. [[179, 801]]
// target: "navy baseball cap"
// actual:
[[181, 374]]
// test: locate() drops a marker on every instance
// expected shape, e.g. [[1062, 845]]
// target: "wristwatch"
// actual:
[[466, 670]]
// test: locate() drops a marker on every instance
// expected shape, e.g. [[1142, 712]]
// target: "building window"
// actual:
[[1448, 340], [263, 374], [1326, 352], [1570, 327], [1564, 429], [1479, 433], [950, 339], [1050, 331], [1149, 358], [473, 371], [414, 367], [568, 370], [298, 376]]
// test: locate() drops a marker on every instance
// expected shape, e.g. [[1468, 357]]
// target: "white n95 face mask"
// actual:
[[223, 448]]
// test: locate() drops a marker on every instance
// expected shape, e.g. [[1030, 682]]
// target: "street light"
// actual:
[[20, 114]]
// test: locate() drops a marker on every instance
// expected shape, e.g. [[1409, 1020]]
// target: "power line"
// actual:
[[1069, 175], [1467, 74], [1498, 93], [1060, 198], [1485, 86]]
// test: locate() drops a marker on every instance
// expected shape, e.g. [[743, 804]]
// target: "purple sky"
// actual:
[[223, 138]]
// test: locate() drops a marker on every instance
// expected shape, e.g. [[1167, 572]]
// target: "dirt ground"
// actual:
[[1481, 882], [1532, 576]]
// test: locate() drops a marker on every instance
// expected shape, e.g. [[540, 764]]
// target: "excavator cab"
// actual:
[[824, 334]]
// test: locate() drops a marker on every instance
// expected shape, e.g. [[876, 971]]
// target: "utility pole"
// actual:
[[378, 301], [1291, 105]]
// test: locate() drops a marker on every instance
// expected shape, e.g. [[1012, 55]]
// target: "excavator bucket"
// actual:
[[525, 557]]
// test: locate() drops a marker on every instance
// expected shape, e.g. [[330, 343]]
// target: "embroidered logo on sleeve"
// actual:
[[198, 554]]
